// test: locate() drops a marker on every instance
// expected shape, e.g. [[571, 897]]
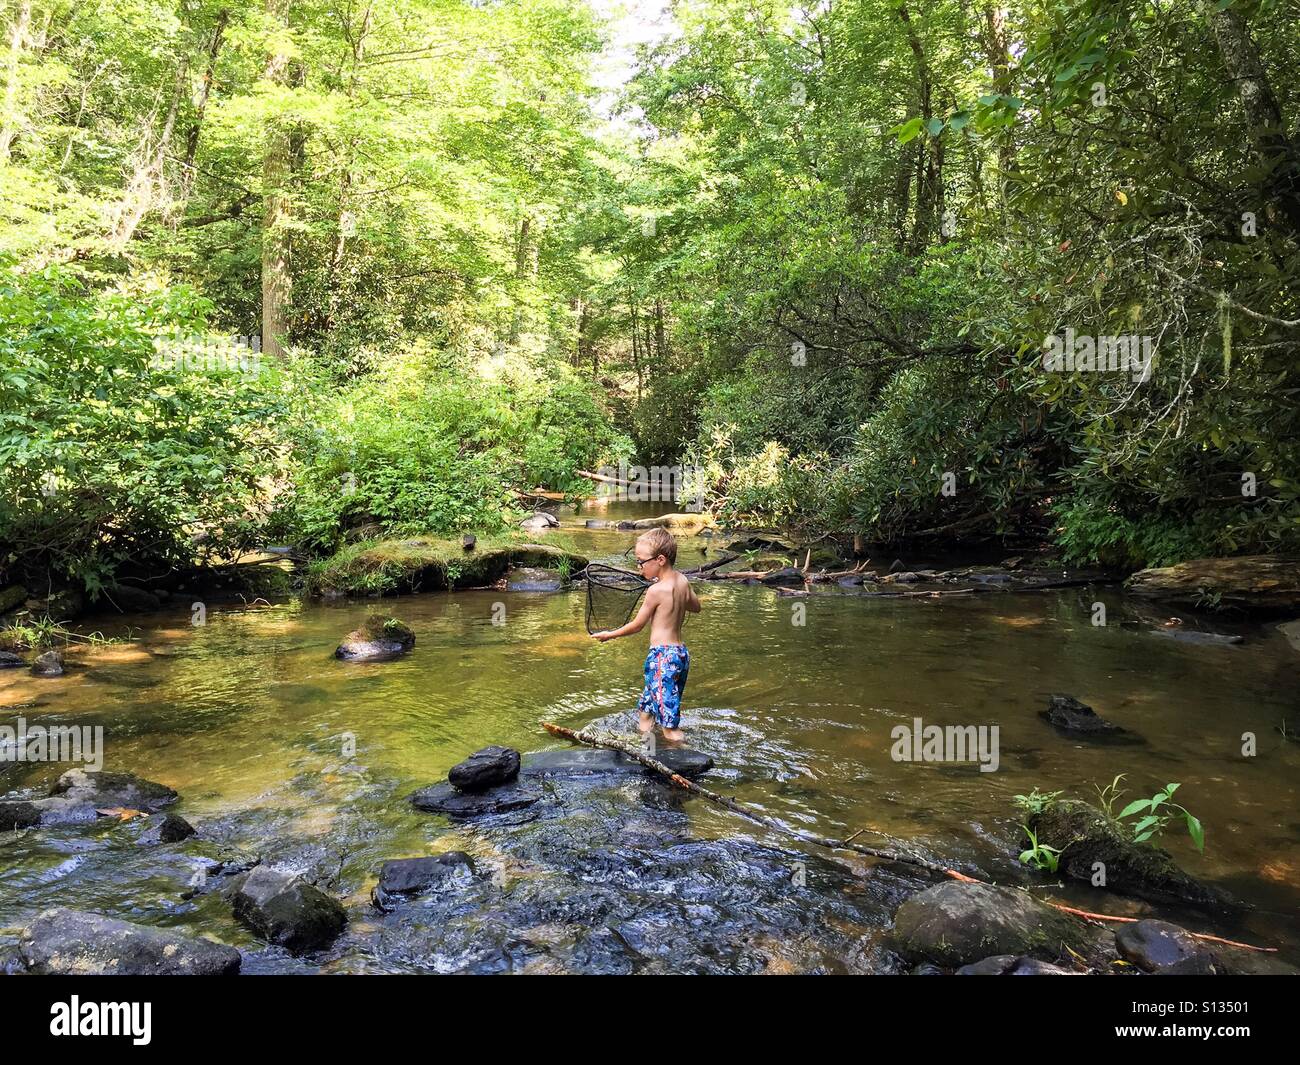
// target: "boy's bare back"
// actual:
[[670, 597]]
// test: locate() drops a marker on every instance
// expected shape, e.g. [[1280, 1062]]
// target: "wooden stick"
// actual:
[[631, 750]]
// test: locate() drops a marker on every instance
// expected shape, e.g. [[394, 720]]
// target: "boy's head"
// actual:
[[655, 552]]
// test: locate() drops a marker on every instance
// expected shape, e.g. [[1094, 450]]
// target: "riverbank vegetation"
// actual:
[[813, 249]]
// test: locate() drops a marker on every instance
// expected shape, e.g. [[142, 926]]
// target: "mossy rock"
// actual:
[[431, 564], [12, 598], [1086, 836], [959, 923]]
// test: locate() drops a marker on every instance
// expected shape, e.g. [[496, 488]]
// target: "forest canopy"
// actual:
[[819, 250]]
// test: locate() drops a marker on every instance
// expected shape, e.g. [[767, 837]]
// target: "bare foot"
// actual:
[[645, 723], [674, 735]]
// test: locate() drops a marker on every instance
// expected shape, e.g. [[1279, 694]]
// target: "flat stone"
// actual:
[[445, 799], [1160, 947], [485, 769], [71, 942], [1011, 965], [404, 877], [601, 761], [78, 793]]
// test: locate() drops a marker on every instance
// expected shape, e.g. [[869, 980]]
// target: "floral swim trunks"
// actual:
[[666, 667]]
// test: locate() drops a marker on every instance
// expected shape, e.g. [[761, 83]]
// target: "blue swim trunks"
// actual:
[[666, 667]]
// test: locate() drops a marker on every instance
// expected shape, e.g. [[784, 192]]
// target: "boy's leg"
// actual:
[[645, 723], [674, 684]]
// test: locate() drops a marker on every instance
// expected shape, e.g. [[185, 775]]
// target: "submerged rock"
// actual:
[[403, 878], [9, 660], [1010, 965], [534, 579], [1220, 639], [445, 799], [1070, 715], [377, 640], [1086, 837], [79, 793], [71, 942], [786, 575], [48, 664], [485, 769], [957, 923], [592, 761], [285, 910]]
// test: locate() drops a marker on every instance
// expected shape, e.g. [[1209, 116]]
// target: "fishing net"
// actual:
[[612, 596]]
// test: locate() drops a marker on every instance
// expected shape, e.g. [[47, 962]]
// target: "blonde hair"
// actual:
[[660, 542]]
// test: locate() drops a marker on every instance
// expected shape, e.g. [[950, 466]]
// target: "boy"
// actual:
[[666, 602]]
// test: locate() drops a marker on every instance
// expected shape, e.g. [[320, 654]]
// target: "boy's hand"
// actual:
[[602, 636]]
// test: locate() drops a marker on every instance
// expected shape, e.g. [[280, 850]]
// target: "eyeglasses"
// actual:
[[642, 561]]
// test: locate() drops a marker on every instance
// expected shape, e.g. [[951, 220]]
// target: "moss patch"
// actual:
[[432, 564]]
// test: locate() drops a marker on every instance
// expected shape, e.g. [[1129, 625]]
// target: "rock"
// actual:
[[956, 923], [468, 542], [687, 521], [18, 815], [1070, 715], [904, 577], [1010, 965], [48, 664], [131, 600], [897, 566], [1259, 584], [851, 581], [377, 640], [70, 942], [533, 579], [787, 575], [1160, 947], [284, 909], [485, 769], [78, 793], [9, 660], [600, 761], [403, 877], [174, 828], [59, 606], [1291, 630], [13, 596], [1196, 636], [1086, 836], [539, 521], [445, 799]]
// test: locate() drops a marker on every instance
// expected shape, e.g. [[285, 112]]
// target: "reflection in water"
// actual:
[[247, 718]]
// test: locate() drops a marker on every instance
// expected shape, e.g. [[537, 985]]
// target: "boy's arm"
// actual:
[[692, 600], [637, 623]]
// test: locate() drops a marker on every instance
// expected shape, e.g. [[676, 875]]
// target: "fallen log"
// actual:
[[631, 750]]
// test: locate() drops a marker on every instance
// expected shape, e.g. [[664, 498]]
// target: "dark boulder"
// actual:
[[131, 600], [377, 640], [1160, 947], [959, 923], [485, 769], [787, 575], [9, 660], [468, 542], [18, 815], [1068, 714], [445, 799], [600, 761], [70, 942], [284, 909], [174, 828], [403, 878], [48, 664], [1258, 584], [1089, 841]]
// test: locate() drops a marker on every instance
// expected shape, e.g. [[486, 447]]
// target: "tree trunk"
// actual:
[[201, 104], [661, 332], [930, 172], [18, 34], [1277, 152], [277, 281], [146, 188], [998, 52]]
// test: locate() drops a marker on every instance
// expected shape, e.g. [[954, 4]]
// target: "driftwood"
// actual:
[[631, 750], [710, 565]]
